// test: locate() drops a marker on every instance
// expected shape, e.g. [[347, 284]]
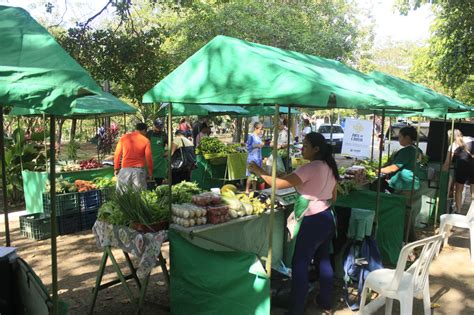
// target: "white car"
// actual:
[[394, 145], [337, 135]]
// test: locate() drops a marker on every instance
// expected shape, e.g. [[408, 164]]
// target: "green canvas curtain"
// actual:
[[104, 104], [203, 110], [236, 72], [35, 71]]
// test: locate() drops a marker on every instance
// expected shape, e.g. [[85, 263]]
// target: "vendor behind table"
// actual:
[[316, 184], [159, 141]]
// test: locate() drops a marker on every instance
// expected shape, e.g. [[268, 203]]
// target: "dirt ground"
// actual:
[[451, 276]]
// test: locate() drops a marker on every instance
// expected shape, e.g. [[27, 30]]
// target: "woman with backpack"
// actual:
[[312, 224], [182, 149]]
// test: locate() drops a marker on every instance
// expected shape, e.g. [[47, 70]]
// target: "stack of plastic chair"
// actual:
[[447, 221], [401, 284]]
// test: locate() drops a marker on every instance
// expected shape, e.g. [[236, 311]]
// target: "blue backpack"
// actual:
[[360, 258]]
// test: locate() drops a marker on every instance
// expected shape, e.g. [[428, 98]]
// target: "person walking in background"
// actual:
[[460, 154], [316, 184], [158, 140], [254, 148], [197, 127], [186, 128], [283, 143], [134, 151], [306, 128], [180, 145], [204, 133]]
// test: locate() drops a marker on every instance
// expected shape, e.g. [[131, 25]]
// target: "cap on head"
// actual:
[[141, 126], [158, 123]]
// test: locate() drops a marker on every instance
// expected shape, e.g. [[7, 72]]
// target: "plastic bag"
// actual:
[[280, 165]]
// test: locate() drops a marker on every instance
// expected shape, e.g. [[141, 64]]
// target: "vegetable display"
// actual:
[[101, 182], [212, 145], [62, 186], [188, 214], [84, 185], [111, 213], [89, 164]]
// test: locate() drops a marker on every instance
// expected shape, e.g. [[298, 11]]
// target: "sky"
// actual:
[[389, 25]]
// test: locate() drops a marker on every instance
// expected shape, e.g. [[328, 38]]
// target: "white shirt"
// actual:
[[283, 137], [306, 130]]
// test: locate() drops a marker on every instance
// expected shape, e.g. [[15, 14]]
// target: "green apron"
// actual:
[[158, 153], [299, 208]]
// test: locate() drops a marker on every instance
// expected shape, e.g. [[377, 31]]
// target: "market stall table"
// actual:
[[34, 184], [145, 246]]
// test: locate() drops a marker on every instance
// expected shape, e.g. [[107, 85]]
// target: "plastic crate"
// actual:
[[69, 223], [88, 219], [90, 200], [35, 226], [106, 194], [65, 203]]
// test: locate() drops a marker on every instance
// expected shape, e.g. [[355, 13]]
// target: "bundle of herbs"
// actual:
[[141, 206]]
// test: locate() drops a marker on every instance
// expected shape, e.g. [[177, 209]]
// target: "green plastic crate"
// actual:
[[65, 203], [35, 226]]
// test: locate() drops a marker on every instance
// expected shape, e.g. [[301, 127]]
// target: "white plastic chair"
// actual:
[[400, 284], [447, 221]]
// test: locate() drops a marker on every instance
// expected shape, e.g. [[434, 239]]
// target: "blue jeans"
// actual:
[[313, 241]]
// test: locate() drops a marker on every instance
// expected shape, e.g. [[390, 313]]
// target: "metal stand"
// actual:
[[142, 286]]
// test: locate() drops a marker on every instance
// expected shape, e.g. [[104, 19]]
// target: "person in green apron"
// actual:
[[312, 223], [401, 169], [159, 140]]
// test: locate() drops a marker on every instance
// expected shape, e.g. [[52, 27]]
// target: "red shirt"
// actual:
[[135, 151]]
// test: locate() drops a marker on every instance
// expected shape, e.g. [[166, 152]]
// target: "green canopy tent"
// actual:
[[104, 104], [230, 71], [269, 110], [35, 72]]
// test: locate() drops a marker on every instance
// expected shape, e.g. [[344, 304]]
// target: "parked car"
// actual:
[[395, 129], [337, 135]]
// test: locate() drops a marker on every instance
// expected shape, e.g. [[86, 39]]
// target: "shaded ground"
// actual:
[[451, 277]]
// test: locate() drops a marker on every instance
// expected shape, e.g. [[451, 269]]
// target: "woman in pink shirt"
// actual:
[[316, 184]]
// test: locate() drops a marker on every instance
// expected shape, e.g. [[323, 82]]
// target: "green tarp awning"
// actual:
[[439, 104], [203, 110], [35, 71], [268, 110], [236, 72], [104, 104]]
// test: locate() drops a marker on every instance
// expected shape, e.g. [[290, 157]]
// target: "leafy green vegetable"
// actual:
[[212, 145], [111, 213], [102, 182]]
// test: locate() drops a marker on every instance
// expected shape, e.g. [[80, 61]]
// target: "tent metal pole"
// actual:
[[330, 135], [125, 122], [52, 180], [443, 149], [272, 205], [288, 159], [410, 217], [96, 119], [373, 135], [4, 180], [389, 135], [379, 180], [45, 145], [451, 140], [21, 145], [170, 142]]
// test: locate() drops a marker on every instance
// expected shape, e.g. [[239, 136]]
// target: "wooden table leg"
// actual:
[[120, 274], [143, 293], [132, 269], [98, 280]]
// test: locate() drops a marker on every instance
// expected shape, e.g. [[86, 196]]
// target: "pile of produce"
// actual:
[[110, 212], [345, 186], [188, 214], [180, 193], [84, 185], [70, 168], [216, 211], [62, 186], [242, 205], [102, 183], [138, 207], [89, 164], [212, 145]]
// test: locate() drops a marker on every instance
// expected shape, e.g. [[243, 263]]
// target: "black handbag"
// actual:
[[183, 159]]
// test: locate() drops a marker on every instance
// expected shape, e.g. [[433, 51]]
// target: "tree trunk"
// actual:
[[60, 132], [238, 130], [246, 128], [73, 129]]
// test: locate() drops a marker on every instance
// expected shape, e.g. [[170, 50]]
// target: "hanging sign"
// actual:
[[357, 138]]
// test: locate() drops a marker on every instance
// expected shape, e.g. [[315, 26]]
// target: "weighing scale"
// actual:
[[286, 197]]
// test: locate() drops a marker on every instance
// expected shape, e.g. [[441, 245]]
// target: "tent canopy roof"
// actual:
[[180, 109], [35, 71], [233, 71], [104, 104]]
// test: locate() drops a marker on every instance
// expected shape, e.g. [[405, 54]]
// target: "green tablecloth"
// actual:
[[34, 184], [207, 281], [208, 175], [391, 219], [246, 234]]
